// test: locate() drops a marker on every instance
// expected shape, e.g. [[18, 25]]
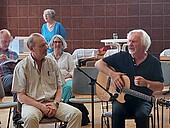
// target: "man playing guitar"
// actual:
[[145, 74]]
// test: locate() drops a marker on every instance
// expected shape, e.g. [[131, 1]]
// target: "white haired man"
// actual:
[[145, 74]]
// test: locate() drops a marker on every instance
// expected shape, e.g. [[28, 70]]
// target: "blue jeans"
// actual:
[[7, 83]]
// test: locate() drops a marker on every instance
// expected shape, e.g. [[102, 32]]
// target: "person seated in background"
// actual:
[[145, 74], [51, 27], [6, 71], [65, 63], [37, 82]]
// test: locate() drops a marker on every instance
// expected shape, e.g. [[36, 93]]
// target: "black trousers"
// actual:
[[138, 109]]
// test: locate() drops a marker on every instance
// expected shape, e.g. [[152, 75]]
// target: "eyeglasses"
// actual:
[[59, 42]]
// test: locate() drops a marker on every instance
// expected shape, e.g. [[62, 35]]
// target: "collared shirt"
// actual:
[[40, 85], [4, 69], [65, 63]]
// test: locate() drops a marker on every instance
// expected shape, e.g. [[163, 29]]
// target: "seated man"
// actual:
[[37, 82], [6, 71], [144, 72]]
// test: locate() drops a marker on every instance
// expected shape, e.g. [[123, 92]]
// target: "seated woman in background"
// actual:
[[65, 63]]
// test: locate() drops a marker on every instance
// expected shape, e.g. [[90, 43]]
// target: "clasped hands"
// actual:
[[49, 109]]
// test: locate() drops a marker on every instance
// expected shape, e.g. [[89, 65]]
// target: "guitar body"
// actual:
[[121, 95], [103, 80]]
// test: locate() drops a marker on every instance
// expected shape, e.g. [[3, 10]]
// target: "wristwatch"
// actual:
[[57, 104]]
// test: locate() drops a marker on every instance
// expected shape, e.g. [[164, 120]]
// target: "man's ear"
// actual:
[[31, 48]]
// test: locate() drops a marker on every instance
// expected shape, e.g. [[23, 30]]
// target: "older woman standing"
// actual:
[[65, 63], [51, 27]]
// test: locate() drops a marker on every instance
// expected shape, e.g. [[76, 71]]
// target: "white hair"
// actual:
[[51, 12], [145, 38], [61, 38]]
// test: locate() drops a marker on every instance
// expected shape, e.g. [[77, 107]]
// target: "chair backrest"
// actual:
[[81, 81], [90, 63], [2, 92], [165, 65]]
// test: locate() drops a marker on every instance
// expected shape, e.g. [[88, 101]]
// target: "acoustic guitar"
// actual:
[[103, 80]]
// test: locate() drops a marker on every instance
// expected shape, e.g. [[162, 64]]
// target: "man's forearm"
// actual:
[[58, 94], [23, 98]]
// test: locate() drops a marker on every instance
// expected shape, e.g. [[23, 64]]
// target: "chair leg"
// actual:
[[169, 115], [9, 116], [151, 117], [102, 121], [106, 121]]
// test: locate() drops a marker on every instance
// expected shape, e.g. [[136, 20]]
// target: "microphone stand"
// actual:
[[92, 83]]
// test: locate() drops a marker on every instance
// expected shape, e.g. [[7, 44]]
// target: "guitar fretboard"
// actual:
[[138, 94]]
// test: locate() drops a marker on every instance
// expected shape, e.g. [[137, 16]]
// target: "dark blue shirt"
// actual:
[[150, 69]]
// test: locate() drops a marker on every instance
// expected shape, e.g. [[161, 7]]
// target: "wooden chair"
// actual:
[[6, 105]]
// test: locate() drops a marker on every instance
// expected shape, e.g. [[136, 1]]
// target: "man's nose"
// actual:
[[130, 42]]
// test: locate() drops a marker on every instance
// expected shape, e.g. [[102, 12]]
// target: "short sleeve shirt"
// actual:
[[150, 69], [41, 86], [65, 63]]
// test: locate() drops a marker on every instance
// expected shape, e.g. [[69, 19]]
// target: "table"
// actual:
[[119, 43], [164, 58]]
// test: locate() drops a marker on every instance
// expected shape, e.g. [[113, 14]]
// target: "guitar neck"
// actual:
[[138, 94]]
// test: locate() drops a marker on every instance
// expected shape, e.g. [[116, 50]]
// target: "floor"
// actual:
[[129, 123]]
